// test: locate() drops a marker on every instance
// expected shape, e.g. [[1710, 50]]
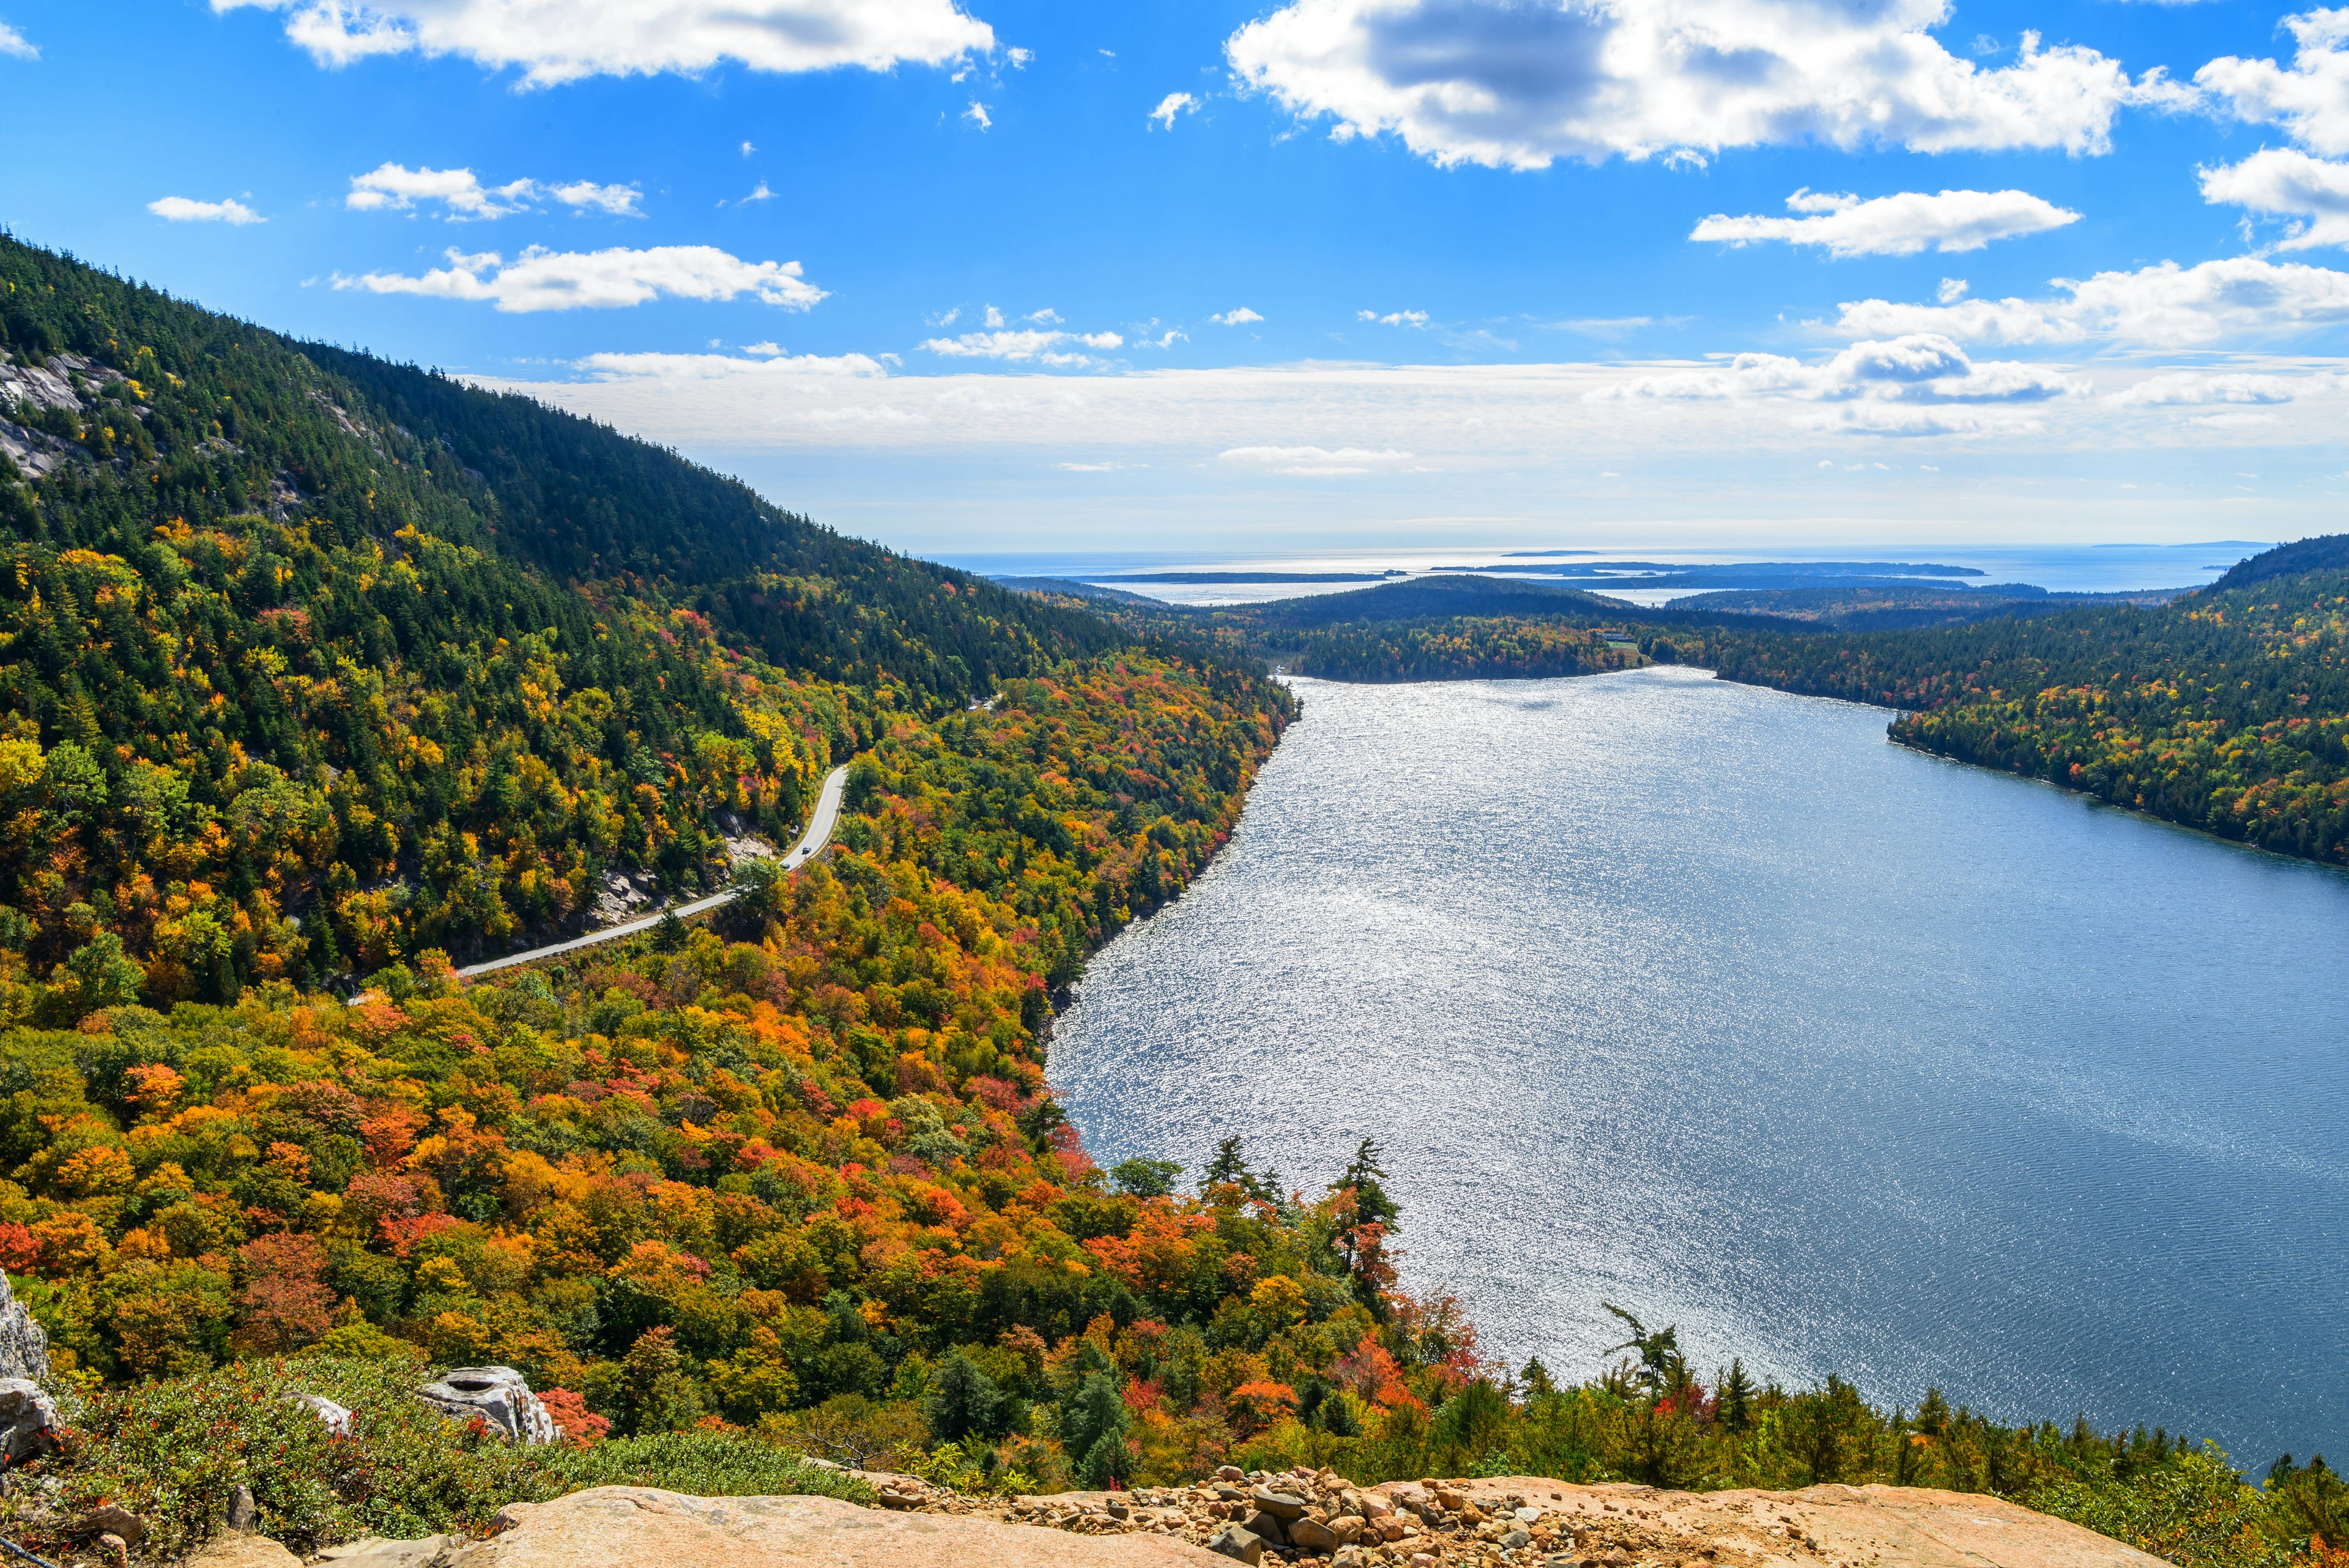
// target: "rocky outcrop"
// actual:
[[431, 1552], [499, 1396], [236, 1549], [626, 1527], [622, 897], [333, 1417], [28, 1420], [23, 1343]]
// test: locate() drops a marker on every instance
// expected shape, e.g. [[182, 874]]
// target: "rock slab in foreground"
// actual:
[[629, 1527], [1528, 1521], [1912, 1527]]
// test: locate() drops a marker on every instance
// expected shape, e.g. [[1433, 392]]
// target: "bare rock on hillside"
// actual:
[[624, 1527], [333, 1417], [622, 897], [28, 1420], [499, 1396], [374, 1552], [23, 1343], [236, 1549]]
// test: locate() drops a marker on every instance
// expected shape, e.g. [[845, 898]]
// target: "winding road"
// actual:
[[810, 844]]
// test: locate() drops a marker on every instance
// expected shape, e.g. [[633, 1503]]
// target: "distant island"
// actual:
[[1252, 577]]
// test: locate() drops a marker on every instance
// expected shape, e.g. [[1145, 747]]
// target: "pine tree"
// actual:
[[963, 1401], [1736, 1396], [1229, 1168], [1372, 1204], [1662, 1368]]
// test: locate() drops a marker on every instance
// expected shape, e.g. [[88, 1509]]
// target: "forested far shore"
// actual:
[[2225, 709]]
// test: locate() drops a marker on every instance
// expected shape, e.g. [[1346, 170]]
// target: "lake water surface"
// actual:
[[1709, 1002]]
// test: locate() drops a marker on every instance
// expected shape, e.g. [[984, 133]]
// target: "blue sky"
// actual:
[[1461, 233]]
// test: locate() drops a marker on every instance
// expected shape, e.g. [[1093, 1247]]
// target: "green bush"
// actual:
[[174, 1452], [2195, 1510]]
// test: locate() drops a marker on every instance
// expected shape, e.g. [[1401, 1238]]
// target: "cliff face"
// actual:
[[24, 1343], [1509, 1521]]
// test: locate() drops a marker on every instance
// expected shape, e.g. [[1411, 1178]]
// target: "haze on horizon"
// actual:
[[972, 276]]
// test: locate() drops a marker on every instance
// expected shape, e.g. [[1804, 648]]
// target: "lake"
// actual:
[[1709, 1002]]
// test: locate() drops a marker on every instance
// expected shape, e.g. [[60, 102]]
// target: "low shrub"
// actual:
[[700, 1464]]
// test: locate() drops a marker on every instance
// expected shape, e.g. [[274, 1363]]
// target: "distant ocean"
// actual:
[[2059, 568]]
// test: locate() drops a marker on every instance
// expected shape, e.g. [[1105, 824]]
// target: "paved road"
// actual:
[[810, 843]]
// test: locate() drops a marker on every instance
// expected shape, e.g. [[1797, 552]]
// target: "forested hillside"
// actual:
[[311, 660]]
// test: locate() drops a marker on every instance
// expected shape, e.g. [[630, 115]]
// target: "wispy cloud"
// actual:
[[976, 114], [1239, 318], [16, 46], [460, 195], [181, 210], [1170, 107], [541, 279], [1897, 226], [1042, 346], [2165, 304], [1318, 461], [1393, 317], [684, 37]]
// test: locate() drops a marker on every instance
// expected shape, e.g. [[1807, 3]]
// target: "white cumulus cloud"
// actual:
[[2310, 99], [2285, 182], [1898, 225], [15, 44], [2165, 304], [1171, 105], [1393, 317], [460, 193], [1521, 83], [181, 210], [1239, 318], [554, 41], [543, 279]]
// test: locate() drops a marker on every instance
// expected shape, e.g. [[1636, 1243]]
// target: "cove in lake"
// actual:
[[1709, 1002]]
